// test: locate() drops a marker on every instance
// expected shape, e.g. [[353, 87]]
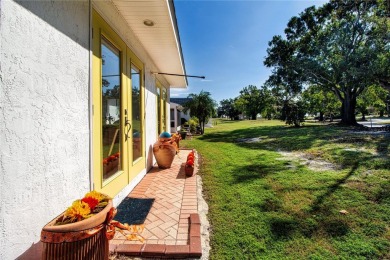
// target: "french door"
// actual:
[[118, 111]]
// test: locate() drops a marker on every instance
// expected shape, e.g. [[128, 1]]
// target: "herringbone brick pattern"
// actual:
[[175, 199]]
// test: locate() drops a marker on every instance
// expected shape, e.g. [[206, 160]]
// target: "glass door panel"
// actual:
[[111, 107], [136, 112]]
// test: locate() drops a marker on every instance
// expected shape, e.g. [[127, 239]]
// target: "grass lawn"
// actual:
[[280, 196]]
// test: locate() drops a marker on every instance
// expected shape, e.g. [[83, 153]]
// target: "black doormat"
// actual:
[[133, 211]]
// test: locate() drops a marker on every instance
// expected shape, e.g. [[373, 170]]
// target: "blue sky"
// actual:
[[226, 41]]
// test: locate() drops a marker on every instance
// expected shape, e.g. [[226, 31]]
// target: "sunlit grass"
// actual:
[[266, 206]]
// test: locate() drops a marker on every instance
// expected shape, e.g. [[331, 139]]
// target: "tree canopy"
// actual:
[[342, 47], [201, 106], [373, 98], [253, 100], [321, 101], [228, 108]]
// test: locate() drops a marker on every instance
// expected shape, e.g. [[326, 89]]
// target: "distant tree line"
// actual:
[[276, 103], [333, 60]]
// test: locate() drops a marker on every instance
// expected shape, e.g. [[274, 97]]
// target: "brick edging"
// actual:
[[192, 249]]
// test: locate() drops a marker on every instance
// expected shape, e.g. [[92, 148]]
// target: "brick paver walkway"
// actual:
[[169, 230]]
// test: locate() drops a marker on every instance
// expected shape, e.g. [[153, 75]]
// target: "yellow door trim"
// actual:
[[114, 184], [139, 164]]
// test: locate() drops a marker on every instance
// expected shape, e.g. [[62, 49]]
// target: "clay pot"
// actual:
[[84, 239], [189, 170], [164, 150]]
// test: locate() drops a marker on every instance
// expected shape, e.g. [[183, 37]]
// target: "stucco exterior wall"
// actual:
[[45, 112], [44, 115]]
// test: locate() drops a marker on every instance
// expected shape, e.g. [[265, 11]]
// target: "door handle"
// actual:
[[127, 125]]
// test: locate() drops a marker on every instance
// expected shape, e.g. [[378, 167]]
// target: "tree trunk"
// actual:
[[253, 116], [348, 106], [363, 116], [321, 117], [381, 113]]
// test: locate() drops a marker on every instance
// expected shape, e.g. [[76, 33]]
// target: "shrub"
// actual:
[[193, 123]]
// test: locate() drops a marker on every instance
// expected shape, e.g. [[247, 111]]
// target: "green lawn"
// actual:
[[265, 205]]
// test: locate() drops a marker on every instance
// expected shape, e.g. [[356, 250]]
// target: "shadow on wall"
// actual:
[[69, 19], [33, 253]]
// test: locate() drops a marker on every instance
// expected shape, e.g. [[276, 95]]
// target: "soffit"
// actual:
[[161, 41]]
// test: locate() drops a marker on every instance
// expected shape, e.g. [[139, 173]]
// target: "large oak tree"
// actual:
[[228, 108], [253, 100], [343, 47]]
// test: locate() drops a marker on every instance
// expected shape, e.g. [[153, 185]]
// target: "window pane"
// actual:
[[136, 108], [111, 97]]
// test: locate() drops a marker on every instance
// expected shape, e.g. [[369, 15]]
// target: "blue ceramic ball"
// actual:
[[165, 135]]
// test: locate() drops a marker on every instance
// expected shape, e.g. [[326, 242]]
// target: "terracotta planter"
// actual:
[[85, 239], [164, 150], [189, 170]]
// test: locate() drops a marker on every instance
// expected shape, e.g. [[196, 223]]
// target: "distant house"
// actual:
[[80, 81], [177, 113]]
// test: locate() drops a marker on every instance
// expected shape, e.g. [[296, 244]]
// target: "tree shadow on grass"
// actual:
[[283, 224], [319, 216], [252, 172], [272, 137], [283, 227], [317, 204]]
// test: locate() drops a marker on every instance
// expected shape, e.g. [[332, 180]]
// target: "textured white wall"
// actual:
[[44, 116], [44, 112]]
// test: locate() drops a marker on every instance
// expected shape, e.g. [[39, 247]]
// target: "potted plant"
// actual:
[[80, 232], [190, 164]]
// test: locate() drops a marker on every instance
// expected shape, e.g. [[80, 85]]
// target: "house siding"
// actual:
[[45, 109]]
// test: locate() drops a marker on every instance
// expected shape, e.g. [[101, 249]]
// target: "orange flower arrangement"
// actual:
[[92, 203]]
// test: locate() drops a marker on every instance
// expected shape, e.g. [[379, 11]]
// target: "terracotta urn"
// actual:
[[164, 151]]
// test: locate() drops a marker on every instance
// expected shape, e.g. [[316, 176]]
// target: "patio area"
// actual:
[[172, 226]]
